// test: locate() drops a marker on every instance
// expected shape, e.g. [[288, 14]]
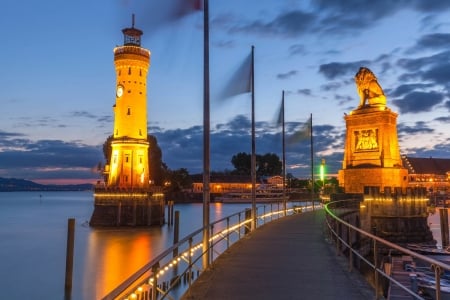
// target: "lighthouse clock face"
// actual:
[[119, 91]]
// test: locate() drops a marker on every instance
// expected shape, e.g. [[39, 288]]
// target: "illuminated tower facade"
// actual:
[[129, 156], [127, 198], [371, 155]]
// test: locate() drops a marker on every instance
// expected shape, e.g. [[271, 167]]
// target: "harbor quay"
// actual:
[[289, 258]]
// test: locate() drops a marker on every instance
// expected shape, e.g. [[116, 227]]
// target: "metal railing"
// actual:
[[171, 273], [341, 233]]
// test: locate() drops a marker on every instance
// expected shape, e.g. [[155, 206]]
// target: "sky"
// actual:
[[58, 79]]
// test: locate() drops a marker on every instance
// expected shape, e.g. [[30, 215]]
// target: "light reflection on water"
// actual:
[[33, 237]]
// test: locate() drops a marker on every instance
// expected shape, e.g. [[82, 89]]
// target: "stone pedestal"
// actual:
[[371, 156]]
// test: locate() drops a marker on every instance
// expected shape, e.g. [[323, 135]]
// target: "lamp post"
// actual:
[[322, 174]]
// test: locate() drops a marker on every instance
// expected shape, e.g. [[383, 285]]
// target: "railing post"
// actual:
[[248, 216], [350, 249], [155, 268], [338, 236], [271, 212], [264, 213], [211, 244], [190, 262], [256, 217], [228, 232], [437, 277], [239, 222], [375, 264]]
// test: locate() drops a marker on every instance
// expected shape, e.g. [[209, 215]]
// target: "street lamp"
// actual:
[[322, 173]]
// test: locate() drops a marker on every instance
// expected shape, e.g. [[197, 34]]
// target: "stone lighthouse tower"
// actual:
[[127, 197], [129, 158]]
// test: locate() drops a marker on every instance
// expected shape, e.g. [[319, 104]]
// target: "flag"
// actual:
[[278, 120], [182, 8], [303, 133], [155, 14], [240, 82]]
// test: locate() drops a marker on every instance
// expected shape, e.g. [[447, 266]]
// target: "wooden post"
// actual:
[[69, 254], [176, 232], [171, 211], [248, 216], [119, 213], [443, 214]]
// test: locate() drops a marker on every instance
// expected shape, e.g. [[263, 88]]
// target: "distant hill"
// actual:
[[22, 185]]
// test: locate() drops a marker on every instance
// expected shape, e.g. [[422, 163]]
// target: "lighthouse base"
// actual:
[[132, 208]]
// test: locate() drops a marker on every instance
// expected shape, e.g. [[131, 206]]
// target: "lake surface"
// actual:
[[33, 240]]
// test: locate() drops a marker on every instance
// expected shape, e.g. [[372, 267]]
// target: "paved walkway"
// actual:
[[288, 258]]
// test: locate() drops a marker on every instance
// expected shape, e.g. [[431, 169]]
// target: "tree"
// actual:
[[155, 165], [241, 163], [179, 180], [268, 164]]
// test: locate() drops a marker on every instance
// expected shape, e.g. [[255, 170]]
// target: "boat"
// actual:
[[266, 194], [427, 286], [425, 278], [428, 249]]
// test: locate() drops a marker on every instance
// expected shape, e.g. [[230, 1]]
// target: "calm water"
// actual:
[[33, 239]]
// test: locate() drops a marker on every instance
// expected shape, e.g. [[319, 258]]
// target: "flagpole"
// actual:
[[312, 162], [253, 163], [206, 136], [284, 154]]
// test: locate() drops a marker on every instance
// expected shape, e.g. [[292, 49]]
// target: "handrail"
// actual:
[[438, 266], [144, 282]]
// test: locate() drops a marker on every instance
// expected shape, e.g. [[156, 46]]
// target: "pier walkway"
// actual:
[[289, 258]]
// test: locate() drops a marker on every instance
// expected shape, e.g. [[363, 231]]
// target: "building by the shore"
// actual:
[[431, 173]]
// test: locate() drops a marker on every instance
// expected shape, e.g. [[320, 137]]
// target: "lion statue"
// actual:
[[368, 89]]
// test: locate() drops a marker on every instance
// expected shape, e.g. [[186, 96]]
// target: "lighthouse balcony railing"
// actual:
[[131, 50]]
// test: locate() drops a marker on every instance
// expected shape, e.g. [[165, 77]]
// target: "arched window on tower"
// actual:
[[129, 71], [129, 111]]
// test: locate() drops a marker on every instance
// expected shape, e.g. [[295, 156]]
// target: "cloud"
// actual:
[[304, 92], [433, 41], [335, 69], [419, 127], [22, 158], [287, 74], [416, 102], [83, 114], [408, 88], [287, 24], [234, 136], [297, 49]]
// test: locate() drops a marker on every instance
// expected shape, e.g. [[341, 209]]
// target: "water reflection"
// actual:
[[114, 255]]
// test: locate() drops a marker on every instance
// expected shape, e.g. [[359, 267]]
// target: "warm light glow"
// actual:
[[199, 246], [109, 267]]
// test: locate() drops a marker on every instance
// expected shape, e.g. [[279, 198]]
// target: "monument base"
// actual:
[[114, 208], [357, 180], [397, 215]]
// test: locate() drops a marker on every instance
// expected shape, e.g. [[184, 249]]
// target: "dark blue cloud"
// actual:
[[416, 102], [22, 158]]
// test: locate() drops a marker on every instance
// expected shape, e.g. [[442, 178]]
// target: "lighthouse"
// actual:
[[127, 198], [128, 166]]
